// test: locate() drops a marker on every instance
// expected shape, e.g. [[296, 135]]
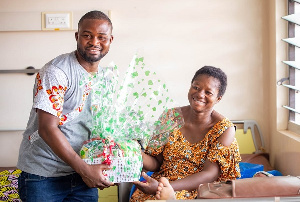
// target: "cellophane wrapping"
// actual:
[[127, 114]]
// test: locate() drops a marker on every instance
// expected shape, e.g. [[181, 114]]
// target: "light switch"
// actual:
[[57, 21]]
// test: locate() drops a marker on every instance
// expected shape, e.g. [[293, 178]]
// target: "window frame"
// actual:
[[291, 57], [291, 29]]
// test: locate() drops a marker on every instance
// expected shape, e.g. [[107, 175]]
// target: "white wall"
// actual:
[[176, 37]]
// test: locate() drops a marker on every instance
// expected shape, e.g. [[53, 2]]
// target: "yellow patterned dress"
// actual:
[[181, 159]]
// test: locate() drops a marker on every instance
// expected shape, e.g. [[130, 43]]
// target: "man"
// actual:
[[60, 121]]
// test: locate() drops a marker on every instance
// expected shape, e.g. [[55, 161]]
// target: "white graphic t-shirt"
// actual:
[[62, 88]]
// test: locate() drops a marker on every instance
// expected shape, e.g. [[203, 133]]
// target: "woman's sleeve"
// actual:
[[228, 158]]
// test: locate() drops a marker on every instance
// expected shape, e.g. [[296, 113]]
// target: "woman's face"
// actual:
[[203, 94]]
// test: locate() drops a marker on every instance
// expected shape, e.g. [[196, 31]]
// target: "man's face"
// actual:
[[93, 40]]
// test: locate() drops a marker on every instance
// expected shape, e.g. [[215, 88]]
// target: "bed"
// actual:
[[249, 137], [252, 149]]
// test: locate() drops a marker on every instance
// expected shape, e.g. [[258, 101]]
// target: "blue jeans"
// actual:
[[35, 188]]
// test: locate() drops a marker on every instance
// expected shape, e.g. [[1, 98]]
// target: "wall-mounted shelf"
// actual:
[[29, 71]]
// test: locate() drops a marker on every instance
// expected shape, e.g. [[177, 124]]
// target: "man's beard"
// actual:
[[90, 59]]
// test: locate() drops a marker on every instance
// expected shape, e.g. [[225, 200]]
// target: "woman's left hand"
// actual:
[[148, 187]]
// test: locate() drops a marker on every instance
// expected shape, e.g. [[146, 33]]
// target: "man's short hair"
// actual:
[[95, 15]]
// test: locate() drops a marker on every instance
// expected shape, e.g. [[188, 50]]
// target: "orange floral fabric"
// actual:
[[182, 159]]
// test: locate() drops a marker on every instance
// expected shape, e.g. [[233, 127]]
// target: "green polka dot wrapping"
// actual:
[[132, 108]]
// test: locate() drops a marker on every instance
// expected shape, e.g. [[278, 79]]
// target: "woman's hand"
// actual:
[[148, 187]]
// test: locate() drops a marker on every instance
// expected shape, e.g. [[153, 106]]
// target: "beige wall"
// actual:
[[176, 37]]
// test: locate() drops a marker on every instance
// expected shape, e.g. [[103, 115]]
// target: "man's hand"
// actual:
[[150, 187], [93, 176]]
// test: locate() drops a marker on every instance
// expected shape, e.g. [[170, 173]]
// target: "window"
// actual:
[[293, 62]]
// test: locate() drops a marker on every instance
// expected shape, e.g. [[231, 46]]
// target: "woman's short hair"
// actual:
[[216, 73]]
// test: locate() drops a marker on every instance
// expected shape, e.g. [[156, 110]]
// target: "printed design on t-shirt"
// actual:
[[85, 83], [38, 83], [63, 119], [56, 95]]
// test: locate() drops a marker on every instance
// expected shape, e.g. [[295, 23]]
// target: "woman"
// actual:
[[203, 150]]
